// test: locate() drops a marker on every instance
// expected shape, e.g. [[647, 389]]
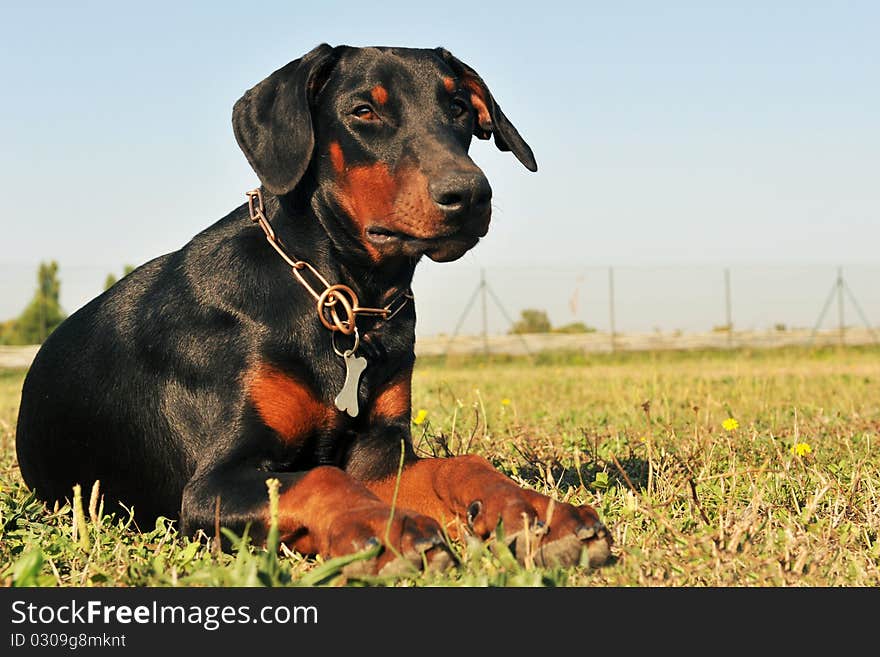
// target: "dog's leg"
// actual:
[[467, 492], [322, 511]]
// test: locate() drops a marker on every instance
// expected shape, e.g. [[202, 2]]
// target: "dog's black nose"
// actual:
[[460, 193]]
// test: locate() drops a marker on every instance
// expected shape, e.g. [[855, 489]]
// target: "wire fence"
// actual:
[[462, 307], [473, 309]]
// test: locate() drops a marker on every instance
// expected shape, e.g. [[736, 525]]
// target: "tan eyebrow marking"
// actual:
[[379, 94]]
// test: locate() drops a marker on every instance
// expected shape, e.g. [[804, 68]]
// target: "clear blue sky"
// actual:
[[674, 132]]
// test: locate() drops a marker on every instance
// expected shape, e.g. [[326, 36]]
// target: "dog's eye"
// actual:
[[364, 112], [458, 107]]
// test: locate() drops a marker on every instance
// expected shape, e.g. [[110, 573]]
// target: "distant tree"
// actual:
[[6, 329], [41, 315], [111, 279], [574, 327], [531, 321]]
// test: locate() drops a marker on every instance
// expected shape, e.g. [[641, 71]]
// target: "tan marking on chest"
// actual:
[[287, 405], [394, 400]]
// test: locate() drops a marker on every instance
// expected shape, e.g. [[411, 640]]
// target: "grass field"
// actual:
[[711, 468]]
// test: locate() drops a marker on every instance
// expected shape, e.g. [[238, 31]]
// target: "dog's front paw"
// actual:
[[540, 530], [410, 542], [571, 535]]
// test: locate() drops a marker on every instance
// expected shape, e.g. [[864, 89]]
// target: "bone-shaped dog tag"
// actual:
[[347, 399]]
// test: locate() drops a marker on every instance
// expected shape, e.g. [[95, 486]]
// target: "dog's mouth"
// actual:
[[441, 248], [380, 236]]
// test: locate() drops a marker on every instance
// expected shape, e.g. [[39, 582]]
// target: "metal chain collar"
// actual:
[[337, 305]]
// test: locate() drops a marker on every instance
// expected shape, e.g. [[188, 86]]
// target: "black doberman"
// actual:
[[279, 342]]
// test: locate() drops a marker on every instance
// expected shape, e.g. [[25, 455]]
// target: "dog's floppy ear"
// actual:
[[490, 119], [273, 120]]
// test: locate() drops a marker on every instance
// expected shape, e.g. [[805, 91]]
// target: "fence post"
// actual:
[[728, 314], [611, 307], [485, 314], [840, 321]]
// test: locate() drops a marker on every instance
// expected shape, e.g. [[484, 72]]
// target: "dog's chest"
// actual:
[[362, 375]]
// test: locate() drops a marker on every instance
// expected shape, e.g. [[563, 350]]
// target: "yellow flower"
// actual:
[[505, 402], [801, 449], [420, 416], [730, 424]]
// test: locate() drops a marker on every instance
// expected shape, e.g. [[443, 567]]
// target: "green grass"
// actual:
[[637, 435]]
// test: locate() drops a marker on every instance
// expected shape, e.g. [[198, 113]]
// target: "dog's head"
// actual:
[[384, 133]]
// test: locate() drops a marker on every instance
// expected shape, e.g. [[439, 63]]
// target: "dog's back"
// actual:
[[121, 391]]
